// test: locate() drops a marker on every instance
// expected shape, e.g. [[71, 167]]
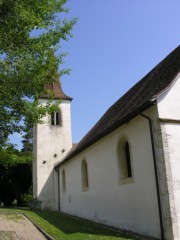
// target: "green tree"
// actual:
[[30, 31], [27, 141], [16, 171]]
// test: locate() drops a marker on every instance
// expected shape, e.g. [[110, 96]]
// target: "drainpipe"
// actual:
[[59, 205], [156, 174]]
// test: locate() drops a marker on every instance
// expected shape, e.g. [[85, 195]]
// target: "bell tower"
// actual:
[[52, 141]]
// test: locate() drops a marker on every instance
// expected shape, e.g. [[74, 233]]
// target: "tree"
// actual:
[[15, 174], [30, 31], [16, 171], [27, 141]]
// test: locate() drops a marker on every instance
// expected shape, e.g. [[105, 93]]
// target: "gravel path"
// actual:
[[20, 225]]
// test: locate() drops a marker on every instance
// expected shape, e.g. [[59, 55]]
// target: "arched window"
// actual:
[[85, 182], [63, 182], [56, 118], [52, 118], [124, 159], [128, 160]]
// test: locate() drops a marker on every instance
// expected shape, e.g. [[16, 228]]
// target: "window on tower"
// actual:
[[56, 118], [52, 119]]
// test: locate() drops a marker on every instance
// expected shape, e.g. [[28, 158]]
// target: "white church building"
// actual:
[[125, 172]]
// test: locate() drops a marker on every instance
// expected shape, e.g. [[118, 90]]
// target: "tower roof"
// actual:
[[54, 90]]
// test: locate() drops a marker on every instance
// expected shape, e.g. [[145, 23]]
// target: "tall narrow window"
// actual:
[[85, 182], [128, 160], [52, 119], [56, 118], [124, 160], [63, 182]]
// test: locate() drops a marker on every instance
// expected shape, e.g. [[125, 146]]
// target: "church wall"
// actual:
[[169, 114], [51, 144], [171, 147], [34, 163], [169, 102], [131, 204]]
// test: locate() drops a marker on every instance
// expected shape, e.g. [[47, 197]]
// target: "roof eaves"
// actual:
[[167, 88], [61, 98]]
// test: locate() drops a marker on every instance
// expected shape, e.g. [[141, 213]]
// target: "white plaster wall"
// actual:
[[132, 206], [169, 102], [50, 140], [34, 164]]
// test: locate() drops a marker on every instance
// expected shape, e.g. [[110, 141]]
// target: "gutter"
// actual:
[[156, 174]]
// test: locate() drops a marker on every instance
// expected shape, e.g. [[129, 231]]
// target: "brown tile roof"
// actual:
[[141, 96], [55, 91]]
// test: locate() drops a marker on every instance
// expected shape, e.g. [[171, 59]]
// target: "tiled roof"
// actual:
[[141, 96], [55, 91]]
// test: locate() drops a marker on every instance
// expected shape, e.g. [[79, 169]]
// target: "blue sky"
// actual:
[[115, 43]]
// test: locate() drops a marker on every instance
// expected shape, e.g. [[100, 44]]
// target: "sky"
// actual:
[[115, 43]]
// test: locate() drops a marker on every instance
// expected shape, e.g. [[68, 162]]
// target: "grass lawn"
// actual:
[[62, 227]]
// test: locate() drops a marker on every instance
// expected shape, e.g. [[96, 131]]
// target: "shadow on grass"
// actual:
[[71, 225]]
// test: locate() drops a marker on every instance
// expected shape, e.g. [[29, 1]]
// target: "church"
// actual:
[[125, 172]]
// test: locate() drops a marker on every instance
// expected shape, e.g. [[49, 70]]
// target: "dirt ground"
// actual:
[[20, 226]]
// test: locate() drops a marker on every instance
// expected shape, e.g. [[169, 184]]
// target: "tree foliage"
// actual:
[[29, 31], [15, 172], [15, 182]]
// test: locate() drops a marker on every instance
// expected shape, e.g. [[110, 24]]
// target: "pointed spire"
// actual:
[[54, 90]]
